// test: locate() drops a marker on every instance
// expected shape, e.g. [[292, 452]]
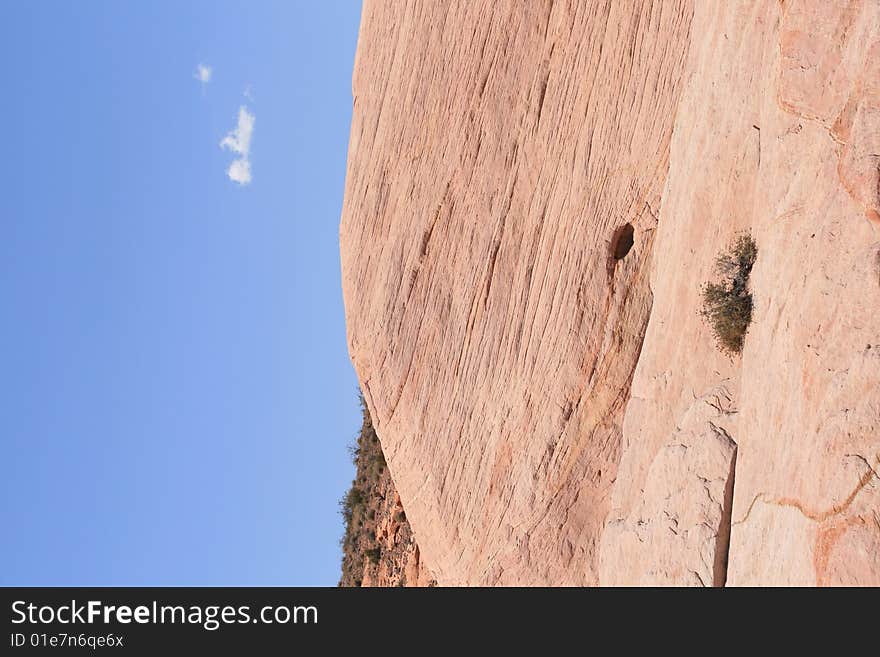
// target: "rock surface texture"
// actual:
[[535, 193]]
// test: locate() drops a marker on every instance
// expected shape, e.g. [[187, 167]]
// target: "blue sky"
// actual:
[[176, 392]]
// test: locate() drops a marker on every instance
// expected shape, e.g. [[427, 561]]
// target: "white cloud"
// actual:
[[240, 171], [239, 141], [203, 73]]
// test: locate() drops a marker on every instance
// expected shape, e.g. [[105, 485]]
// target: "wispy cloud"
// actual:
[[203, 73], [239, 141]]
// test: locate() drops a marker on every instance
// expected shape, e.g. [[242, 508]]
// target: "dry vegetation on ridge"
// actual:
[[378, 546]]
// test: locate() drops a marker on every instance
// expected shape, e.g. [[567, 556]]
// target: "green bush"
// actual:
[[727, 303], [373, 554], [353, 499], [355, 496], [354, 450]]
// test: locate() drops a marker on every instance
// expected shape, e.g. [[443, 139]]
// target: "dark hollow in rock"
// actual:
[[622, 241]]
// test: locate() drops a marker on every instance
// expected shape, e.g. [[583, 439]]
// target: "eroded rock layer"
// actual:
[[535, 193]]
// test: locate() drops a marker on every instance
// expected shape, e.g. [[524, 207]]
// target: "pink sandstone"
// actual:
[[553, 415]]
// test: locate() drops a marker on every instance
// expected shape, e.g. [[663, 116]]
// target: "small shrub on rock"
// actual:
[[727, 302]]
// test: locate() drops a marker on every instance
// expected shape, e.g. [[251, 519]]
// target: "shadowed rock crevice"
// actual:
[[722, 542]]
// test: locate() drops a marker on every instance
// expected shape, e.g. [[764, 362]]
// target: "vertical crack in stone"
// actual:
[[722, 540]]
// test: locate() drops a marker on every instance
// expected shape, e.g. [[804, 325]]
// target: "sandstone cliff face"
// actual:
[[552, 408]]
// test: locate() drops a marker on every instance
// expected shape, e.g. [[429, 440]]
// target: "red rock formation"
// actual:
[[552, 408]]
